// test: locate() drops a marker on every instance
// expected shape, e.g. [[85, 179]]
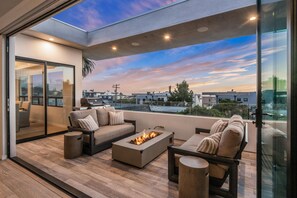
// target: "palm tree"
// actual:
[[88, 66]]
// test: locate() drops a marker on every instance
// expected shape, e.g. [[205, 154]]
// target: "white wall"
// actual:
[[183, 126], [34, 48]]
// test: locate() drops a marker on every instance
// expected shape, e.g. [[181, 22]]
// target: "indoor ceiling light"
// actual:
[[135, 44], [253, 18], [114, 48], [51, 39], [167, 37], [202, 29]]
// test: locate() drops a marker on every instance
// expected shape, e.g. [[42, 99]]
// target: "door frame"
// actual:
[[45, 64]]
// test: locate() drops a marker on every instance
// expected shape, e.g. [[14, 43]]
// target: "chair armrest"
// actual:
[[201, 130], [84, 131], [132, 122], [210, 158]]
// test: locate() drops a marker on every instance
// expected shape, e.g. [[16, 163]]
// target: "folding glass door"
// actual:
[[272, 99]]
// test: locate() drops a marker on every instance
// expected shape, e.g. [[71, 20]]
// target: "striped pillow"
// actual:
[[210, 144], [116, 117], [88, 123], [218, 126]]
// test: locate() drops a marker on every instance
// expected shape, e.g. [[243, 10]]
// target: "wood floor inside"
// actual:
[[100, 176]]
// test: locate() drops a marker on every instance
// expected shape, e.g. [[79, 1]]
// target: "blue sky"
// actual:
[[93, 14]]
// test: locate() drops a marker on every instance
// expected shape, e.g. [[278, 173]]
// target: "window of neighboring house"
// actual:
[[245, 100]]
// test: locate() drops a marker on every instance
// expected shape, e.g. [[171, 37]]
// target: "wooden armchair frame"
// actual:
[[215, 183]]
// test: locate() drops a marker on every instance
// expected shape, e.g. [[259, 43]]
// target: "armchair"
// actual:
[[218, 175]]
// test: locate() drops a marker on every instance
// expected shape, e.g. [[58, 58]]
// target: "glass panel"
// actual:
[[29, 95], [274, 98], [60, 95]]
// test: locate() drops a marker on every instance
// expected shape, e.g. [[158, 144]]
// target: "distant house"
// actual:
[[247, 98], [142, 98]]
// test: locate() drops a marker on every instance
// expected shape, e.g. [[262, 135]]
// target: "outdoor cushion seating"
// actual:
[[222, 164], [102, 138], [24, 114]]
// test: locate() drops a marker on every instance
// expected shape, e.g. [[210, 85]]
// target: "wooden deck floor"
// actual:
[[15, 181], [100, 176]]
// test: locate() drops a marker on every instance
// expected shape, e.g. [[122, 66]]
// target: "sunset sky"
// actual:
[[215, 66]]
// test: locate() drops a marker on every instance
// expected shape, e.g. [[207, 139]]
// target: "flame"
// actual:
[[144, 137]]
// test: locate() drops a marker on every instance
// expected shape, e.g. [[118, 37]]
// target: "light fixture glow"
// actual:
[[51, 39], [114, 48], [167, 37], [253, 18], [202, 29], [135, 44]]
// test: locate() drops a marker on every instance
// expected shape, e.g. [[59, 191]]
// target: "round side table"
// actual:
[[73, 144], [193, 178]]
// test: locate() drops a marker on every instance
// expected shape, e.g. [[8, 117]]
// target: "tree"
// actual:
[[88, 66], [181, 93], [202, 111]]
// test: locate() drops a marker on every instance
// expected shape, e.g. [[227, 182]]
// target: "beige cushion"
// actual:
[[210, 144], [218, 126], [88, 123], [103, 116], [116, 117], [216, 171], [107, 133], [75, 115], [191, 144], [231, 140], [236, 118]]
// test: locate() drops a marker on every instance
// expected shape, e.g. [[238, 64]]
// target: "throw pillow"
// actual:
[[103, 116], [88, 123], [116, 117], [218, 126], [210, 144]]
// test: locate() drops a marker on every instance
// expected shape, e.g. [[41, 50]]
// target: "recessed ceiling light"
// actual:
[[253, 18], [114, 48], [51, 39], [135, 44], [167, 37], [202, 29]]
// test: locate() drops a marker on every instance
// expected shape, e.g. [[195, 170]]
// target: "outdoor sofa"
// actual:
[[102, 138]]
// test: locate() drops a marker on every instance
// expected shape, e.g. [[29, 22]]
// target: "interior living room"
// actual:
[[114, 99]]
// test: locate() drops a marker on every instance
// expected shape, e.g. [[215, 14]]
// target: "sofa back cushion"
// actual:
[[116, 117], [236, 118], [231, 140], [75, 115], [103, 116], [88, 123], [218, 126]]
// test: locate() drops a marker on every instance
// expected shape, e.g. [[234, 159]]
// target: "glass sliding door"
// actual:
[[272, 99], [60, 96], [44, 97], [30, 109]]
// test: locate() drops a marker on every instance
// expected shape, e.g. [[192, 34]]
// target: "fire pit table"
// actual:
[[141, 148]]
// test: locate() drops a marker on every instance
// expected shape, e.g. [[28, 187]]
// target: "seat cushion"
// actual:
[[88, 123], [103, 116], [108, 133], [75, 115], [218, 126], [210, 144], [231, 140], [192, 143]]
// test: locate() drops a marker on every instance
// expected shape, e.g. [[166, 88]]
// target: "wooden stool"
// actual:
[[193, 178], [73, 145]]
